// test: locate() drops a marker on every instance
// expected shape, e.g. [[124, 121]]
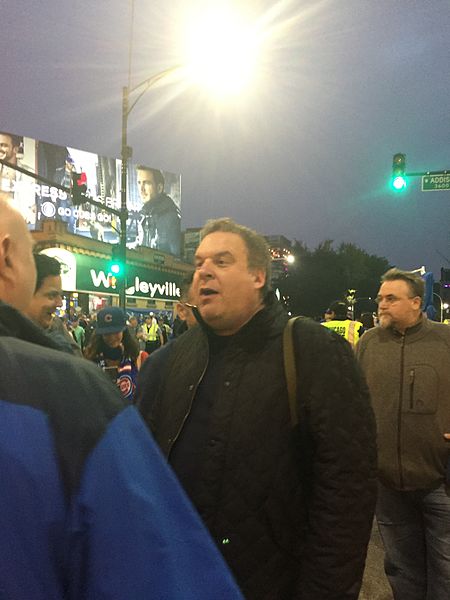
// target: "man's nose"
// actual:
[[58, 301], [205, 270]]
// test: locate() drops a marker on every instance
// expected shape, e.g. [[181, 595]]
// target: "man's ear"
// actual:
[[259, 277], [5, 252], [181, 310], [417, 302], [7, 279]]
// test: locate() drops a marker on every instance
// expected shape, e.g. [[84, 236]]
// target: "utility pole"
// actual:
[[125, 156]]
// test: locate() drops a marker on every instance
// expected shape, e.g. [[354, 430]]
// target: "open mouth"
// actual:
[[207, 292]]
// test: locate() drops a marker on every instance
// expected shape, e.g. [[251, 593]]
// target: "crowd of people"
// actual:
[[118, 343], [256, 491]]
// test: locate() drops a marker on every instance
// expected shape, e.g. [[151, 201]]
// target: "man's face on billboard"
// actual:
[[7, 150], [148, 189]]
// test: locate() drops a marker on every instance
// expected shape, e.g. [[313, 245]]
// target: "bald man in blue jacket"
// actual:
[[88, 509]]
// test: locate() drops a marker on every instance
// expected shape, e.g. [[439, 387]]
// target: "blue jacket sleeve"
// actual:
[[133, 533]]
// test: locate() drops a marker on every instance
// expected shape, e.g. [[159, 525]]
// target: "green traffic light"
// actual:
[[399, 183], [116, 268]]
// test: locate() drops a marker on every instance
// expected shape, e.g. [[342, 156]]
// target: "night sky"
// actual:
[[305, 153]]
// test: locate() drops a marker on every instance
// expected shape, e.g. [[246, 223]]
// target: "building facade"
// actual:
[[152, 277]]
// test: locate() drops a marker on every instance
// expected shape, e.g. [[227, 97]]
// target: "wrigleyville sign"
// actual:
[[89, 274]]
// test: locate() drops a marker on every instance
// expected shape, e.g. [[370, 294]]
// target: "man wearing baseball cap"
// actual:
[[338, 321]]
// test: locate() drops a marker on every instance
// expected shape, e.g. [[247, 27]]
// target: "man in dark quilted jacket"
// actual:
[[290, 508]]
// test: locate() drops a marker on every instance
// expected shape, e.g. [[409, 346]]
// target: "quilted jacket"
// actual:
[[291, 510]]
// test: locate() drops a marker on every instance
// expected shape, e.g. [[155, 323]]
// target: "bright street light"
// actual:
[[221, 49]]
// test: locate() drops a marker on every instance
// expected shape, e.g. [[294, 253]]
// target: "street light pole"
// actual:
[[125, 156], [441, 305], [126, 153]]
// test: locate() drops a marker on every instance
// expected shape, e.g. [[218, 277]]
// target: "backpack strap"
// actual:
[[289, 368]]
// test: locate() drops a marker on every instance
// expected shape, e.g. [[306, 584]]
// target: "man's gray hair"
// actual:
[[258, 255], [414, 281]]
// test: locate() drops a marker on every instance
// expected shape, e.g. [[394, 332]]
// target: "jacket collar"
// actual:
[[14, 324], [162, 202], [414, 332], [267, 323]]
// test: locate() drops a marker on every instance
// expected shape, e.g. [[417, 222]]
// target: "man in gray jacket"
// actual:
[[407, 364]]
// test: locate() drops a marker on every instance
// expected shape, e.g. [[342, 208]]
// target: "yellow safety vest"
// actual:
[[348, 329], [150, 333]]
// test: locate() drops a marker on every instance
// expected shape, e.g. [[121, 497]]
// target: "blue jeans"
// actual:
[[415, 528]]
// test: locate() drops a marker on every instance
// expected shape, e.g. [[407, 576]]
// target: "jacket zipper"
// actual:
[[399, 415], [411, 388], [194, 391]]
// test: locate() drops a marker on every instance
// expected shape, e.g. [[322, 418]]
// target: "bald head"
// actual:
[[17, 269]]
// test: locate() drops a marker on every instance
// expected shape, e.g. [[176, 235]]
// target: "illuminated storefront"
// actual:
[[88, 283]]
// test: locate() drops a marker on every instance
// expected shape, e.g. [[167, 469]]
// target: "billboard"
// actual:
[[153, 196]]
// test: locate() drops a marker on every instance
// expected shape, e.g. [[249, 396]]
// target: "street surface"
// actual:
[[375, 585]]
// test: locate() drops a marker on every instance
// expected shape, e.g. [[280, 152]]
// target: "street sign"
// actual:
[[436, 182]]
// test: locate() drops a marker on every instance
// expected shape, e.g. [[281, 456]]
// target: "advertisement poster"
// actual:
[[153, 196]]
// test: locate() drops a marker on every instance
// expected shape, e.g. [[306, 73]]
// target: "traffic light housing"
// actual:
[[117, 266], [399, 172], [79, 188]]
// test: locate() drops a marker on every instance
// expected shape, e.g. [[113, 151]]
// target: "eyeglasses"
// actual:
[[391, 299]]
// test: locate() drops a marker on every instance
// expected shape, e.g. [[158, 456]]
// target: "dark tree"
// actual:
[[320, 276]]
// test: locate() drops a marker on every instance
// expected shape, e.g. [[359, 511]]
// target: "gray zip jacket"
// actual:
[[409, 380]]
